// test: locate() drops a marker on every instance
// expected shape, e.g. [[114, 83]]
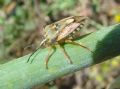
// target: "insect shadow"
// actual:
[[108, 47]]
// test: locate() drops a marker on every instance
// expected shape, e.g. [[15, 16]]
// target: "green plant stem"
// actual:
[[18, 74]]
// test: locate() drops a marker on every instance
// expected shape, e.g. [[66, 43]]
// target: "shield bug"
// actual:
[[60, 32]]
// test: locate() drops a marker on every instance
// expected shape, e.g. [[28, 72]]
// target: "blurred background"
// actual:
[[21, 31]]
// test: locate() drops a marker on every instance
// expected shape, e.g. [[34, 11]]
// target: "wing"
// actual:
[[72, 28], [67, 30]]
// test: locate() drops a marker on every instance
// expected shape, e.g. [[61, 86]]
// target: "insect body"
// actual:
[[60, 32]]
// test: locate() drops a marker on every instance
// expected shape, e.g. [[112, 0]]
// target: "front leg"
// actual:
[[50, 53]]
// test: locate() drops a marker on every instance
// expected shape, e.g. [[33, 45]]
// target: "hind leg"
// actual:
[[78, 44]]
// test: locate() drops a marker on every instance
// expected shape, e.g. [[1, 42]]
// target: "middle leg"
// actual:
[[65, 54]]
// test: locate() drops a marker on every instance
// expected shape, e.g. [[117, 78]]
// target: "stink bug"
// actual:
[[60, 32]]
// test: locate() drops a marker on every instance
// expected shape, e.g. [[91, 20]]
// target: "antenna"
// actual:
[[36, 50]]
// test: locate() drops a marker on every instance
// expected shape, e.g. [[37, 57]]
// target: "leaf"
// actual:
[[17, 74]]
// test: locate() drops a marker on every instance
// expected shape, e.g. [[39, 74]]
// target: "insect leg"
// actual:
[[36, 50], [79, 44], [50, 53], [65, 54]]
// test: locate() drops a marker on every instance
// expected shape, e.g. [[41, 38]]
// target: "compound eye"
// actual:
[[53, 26], [57, 26]]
